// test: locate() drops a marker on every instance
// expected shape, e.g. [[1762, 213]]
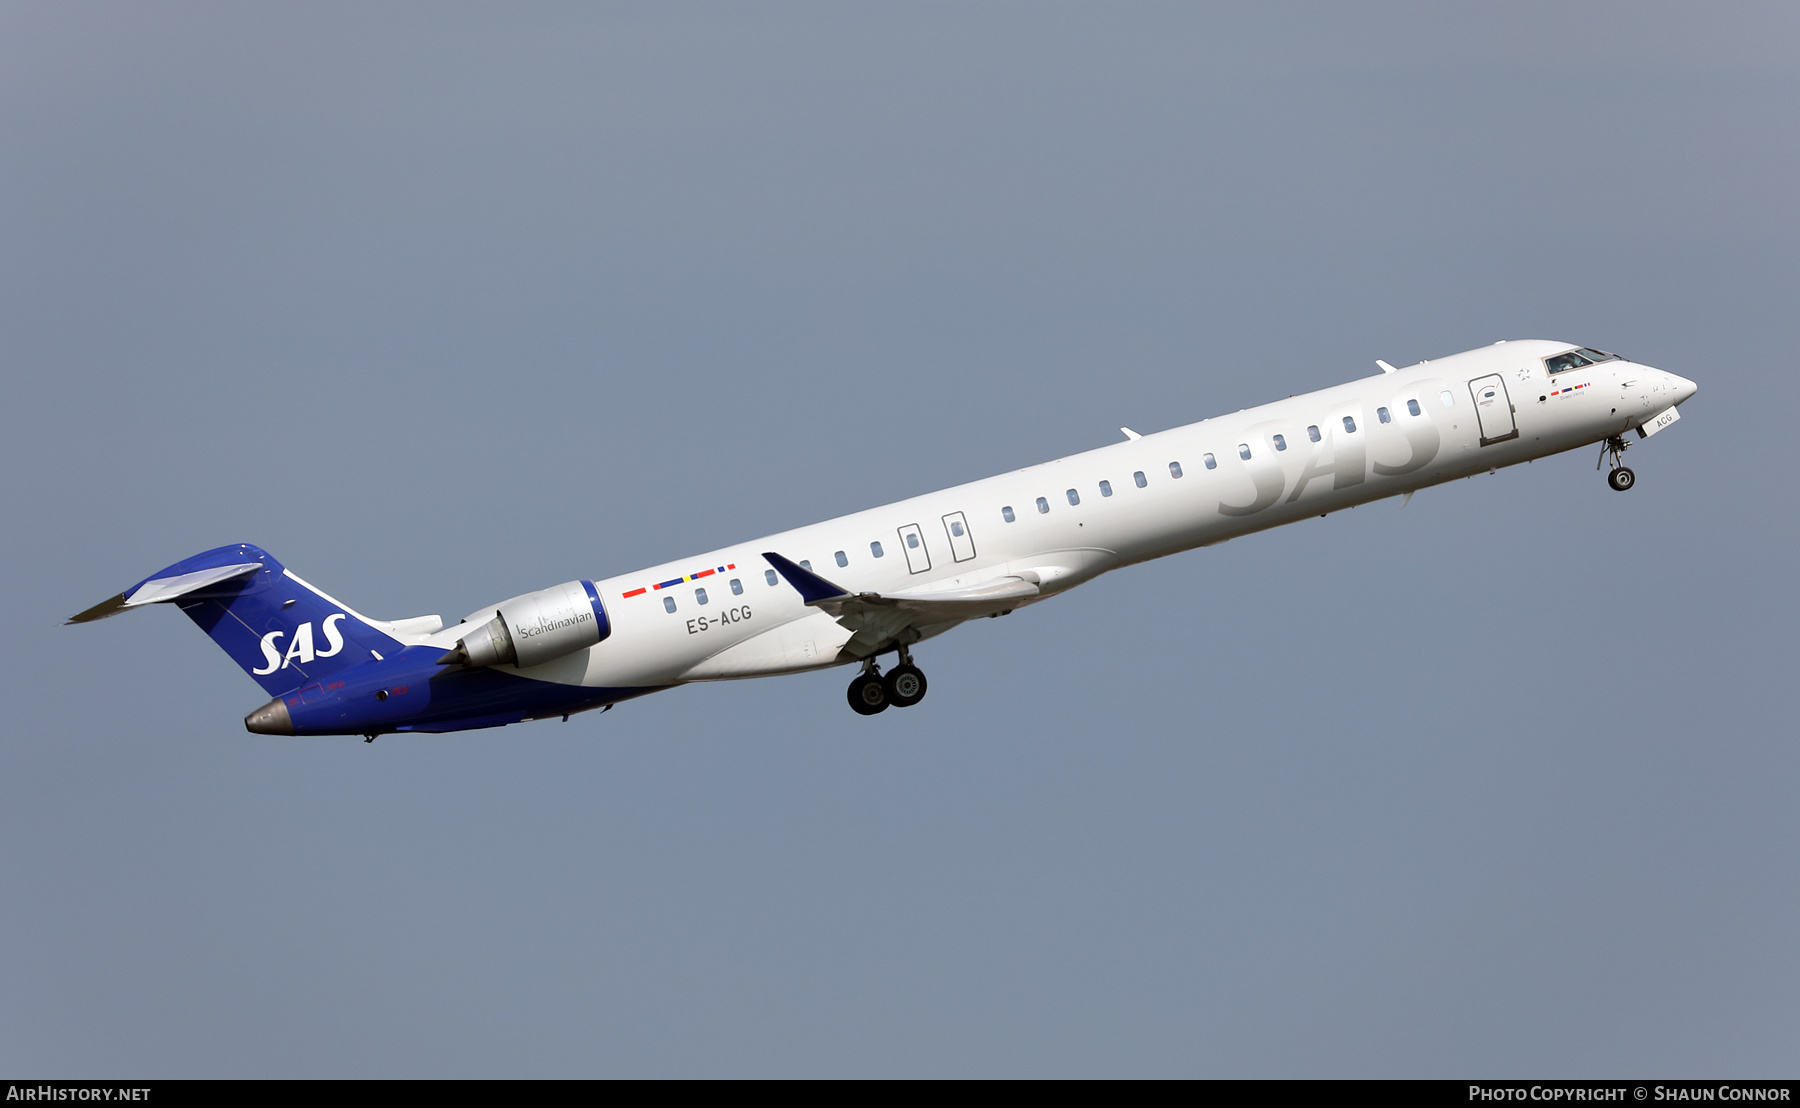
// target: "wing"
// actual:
[[880, 621]]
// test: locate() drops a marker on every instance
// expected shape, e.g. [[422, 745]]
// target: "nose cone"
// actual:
[[1682, 387], [270, 719]]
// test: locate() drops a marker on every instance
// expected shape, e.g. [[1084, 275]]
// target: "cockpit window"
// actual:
[[1575, 359], [1562, 363]]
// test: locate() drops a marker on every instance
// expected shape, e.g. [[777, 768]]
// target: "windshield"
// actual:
[[1575, 359]]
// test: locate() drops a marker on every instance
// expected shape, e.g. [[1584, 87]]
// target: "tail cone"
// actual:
[[270, 719]]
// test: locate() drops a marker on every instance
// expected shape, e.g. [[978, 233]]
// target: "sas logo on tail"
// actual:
[[301, 648]]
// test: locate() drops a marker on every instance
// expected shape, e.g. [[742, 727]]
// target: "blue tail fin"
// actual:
[[281, 630]]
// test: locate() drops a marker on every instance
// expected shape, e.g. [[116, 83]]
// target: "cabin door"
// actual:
[[962, 544], [1493, 409], [912, 540]]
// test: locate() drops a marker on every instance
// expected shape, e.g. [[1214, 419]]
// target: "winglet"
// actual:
[[811, 587], [1385, 368]]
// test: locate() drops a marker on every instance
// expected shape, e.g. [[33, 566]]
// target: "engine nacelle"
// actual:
[[534, 628]]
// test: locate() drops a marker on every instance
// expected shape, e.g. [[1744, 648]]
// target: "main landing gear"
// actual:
[[1621, 478], [902, 687]]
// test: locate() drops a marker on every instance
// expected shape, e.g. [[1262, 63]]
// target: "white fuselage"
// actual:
[[1064, 528]]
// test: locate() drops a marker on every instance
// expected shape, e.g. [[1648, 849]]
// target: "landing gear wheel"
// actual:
[[905, 686], [868, 695], [1614, 448]]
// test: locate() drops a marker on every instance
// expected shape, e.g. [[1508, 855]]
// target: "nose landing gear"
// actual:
[[902, 687], [1621, 477]]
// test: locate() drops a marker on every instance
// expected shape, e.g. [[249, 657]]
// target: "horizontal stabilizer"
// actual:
[[160, 590]]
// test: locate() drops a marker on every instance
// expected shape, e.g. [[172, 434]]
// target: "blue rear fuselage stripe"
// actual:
[[424, 696]]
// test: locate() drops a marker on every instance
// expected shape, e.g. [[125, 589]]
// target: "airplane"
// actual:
[[854, 589]]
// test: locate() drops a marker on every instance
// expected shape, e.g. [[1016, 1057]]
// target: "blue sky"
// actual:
[[441, 304]]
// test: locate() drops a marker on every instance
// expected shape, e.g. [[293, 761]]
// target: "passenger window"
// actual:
[[1043, 506], [956, 529], [1412, 407], [1174, 469], [1210, 461], [912, 539], [1382, 414], [1312, 432], [806, 564], [1139, 478], [1106, 488], [768, 575], [699, 596], [737, 587], [1074, 498], [1006, 513], [1244, 451], [669, 604], [841, 560], [1449, 401], [875, 550], [1280, 443], [1349, 425]]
